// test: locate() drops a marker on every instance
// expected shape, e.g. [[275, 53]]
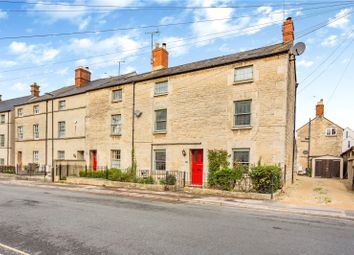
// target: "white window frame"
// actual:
[[2, 140], [20, 133], [19, 112], [35, 156], [2, 119], [117, 95], [61, 105], [116, 124], [245, 163], [331, 131], [236, 114], [156, 122], [61, 155], [36, 109], [160, 165], [161, 88], [61, 129], [36, 131], [241, 74], [115, 159]]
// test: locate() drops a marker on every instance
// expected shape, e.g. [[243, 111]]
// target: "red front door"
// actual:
[[94, 160], [197, 167]]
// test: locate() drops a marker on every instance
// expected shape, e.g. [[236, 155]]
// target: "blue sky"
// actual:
[[50, 61]]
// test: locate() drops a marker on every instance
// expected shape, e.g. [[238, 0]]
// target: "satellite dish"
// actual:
[[298, 49]]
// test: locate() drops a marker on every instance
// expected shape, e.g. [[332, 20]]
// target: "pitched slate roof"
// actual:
[[194, 66], [8, 105], [208, 63]]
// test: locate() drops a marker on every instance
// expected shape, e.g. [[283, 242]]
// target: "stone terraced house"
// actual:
[[169, 118]]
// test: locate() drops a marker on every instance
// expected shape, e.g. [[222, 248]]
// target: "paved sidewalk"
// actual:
[[180, 197]]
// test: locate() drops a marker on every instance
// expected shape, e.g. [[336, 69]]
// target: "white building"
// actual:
[[348, 139]]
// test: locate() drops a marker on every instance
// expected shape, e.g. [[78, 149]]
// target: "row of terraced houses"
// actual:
[[166, 119]]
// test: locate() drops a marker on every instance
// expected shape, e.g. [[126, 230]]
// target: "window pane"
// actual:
[[116, 124], [242, 113], [241, 156], [117, 95], [160, 160], [243, 120], [243, 106], [161, 87], [161, 119], [115, 161], [244, 73]]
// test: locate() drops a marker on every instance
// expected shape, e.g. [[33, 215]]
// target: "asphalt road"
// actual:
[[50, 221]]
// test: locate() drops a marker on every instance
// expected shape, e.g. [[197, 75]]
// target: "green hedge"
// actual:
[[169, 180], [8, 169], [117, 175], [218, 160], [226, 178], [261, 178]]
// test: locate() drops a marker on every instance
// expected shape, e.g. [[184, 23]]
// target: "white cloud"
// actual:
[[34, 53], [228, 26], [3, 14], [20, 87], [176, 46], [341, 20], [107, 49], [7, 63], [305, 63], [84, 23], [330, 41], [168, 20]]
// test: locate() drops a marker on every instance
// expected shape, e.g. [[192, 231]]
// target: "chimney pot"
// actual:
[[35, 90], [288, 30], [159, 57], [320, 109], [82, 76]]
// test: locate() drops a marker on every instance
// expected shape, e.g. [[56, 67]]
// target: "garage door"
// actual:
[[327, 168]]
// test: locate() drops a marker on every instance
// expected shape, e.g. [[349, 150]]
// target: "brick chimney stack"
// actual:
[[320, 109], [35, 90], [159, 57], [288, 30], [82, 76]]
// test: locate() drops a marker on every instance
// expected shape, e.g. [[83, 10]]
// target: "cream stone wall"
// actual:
[[200, 108], [74, 140], [100, 109], [320, 143], [7, 129], [200, 115]]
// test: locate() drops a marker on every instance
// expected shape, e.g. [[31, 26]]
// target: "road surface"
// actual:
[[36, 220]]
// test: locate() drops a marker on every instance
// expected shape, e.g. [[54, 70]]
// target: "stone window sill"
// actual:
[[243, 82], [241, 127], [162, 132], [116, 101], [161, 94]]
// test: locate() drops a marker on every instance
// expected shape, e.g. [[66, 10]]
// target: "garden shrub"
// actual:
[[261, 178], [171, 179], [309, 172], [226, 178], [7, 169], [218, 159], [145, 180]]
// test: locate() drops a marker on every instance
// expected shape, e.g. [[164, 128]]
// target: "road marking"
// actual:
[[13, 249]]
